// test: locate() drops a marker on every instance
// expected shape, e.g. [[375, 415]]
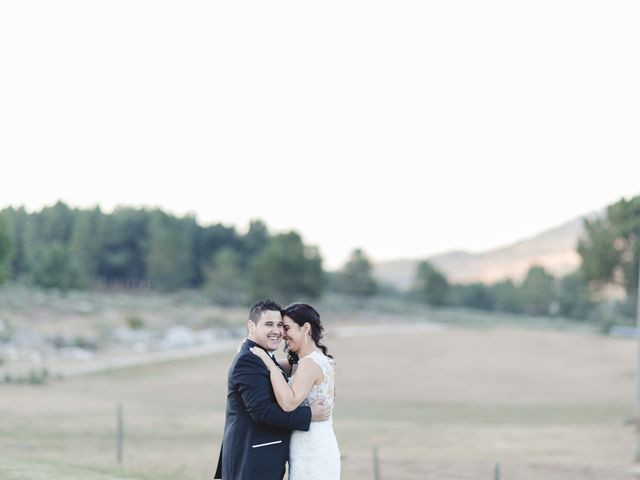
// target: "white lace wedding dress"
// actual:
[[314, 455]]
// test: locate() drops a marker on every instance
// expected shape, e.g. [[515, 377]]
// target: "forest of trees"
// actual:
[[538, 294], [62, 247], [67, 248]]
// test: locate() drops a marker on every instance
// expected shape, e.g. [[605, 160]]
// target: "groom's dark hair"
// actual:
[[263, 306]]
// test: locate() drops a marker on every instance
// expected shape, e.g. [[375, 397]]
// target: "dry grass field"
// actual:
[[439, 405]]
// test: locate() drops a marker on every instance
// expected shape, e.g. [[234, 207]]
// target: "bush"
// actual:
[[134, 322], [85, 343], [34, 377]]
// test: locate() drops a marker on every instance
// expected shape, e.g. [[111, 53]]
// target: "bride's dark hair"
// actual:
[[302, 313]]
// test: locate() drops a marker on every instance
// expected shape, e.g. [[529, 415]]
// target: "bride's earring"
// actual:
[[305, 338]]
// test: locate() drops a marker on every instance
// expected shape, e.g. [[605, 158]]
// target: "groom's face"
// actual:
[[268, 330]]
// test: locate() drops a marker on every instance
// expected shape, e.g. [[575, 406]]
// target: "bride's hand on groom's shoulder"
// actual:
[[262, 354], [241, 344]]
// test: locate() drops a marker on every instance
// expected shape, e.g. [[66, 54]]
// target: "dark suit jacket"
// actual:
[[255, 445]]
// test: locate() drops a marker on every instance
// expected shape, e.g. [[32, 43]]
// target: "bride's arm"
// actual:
[[290, 397]]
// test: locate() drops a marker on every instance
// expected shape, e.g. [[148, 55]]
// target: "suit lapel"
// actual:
[[286, 377]]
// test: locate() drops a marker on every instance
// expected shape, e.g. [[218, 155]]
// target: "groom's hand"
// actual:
[[321, 411]]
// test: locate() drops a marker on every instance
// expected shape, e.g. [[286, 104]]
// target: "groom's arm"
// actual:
[[254, 386]]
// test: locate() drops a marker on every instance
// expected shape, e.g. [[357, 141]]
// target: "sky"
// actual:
[[403, 128]]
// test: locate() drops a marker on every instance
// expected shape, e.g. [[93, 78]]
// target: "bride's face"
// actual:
[[293, 334]]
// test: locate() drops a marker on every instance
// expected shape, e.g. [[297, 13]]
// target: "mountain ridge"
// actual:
[[554, 249]]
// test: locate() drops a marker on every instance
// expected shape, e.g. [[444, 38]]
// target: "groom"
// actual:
[[255, 445]]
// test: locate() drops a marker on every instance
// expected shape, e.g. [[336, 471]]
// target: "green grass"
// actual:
[[338, 306]]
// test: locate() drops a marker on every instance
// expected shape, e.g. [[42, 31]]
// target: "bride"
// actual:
[[313, 455]]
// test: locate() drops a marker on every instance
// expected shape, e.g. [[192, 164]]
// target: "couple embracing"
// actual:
[[280, 410]]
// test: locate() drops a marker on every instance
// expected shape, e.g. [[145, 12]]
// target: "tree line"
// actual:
[[62, 247], [538, 294]]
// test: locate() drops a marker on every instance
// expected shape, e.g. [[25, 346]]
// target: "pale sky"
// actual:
[[404, 128]]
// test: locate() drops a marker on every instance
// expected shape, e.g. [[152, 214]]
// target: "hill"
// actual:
[[554, 249]]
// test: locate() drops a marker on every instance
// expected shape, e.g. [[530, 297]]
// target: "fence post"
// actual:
[[496, 472], [637, 409], [119, 433], [376, 464]]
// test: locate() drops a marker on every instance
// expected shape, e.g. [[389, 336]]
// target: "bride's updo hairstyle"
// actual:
[[302, 313]]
